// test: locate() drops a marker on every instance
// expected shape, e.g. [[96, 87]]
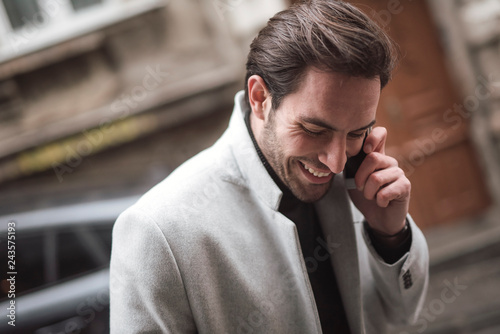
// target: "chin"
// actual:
[[310, 196]]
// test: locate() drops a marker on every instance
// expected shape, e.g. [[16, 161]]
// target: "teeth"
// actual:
[[314, 172]]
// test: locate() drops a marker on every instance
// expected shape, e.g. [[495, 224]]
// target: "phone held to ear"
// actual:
[[352, 165]]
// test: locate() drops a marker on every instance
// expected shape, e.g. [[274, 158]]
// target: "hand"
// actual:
[[383, 191]]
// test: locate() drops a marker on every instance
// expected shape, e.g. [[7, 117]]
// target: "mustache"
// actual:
[[314, 164]]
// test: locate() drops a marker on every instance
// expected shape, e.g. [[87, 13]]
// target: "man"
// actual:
[[256, 233]]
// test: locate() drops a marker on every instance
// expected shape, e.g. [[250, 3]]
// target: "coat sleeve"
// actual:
[[402, 286], [147, 294]]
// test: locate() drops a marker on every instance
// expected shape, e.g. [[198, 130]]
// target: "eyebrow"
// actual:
[[322, 124]]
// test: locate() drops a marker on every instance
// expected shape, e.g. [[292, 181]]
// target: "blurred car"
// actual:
[[62, 268]]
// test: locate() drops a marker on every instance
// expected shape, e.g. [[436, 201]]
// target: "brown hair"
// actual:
[[330, 35]]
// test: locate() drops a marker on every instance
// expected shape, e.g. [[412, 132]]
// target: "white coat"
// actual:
[[206, 251]]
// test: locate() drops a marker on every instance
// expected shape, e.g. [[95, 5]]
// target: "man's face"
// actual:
[[308, 139]]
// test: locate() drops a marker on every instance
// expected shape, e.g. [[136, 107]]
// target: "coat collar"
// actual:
[[249, 164]]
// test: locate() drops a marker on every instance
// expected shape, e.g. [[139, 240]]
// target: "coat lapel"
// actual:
[[338, 229]]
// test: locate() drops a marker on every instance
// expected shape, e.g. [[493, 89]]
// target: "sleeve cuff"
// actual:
[[390, 250]]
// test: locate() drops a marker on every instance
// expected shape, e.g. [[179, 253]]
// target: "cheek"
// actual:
[[295, 143], [301, 146]]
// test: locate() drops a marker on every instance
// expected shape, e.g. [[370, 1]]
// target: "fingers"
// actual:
[[375, 142], [373, 162], [379, 178], [387, 185], [399, 190]]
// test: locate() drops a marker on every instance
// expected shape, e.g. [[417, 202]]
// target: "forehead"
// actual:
[[334, 97]]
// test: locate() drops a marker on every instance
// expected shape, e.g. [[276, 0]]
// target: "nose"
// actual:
[[334, 155]]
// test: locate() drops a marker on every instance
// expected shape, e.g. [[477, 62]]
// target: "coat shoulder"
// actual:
[[196, 193]]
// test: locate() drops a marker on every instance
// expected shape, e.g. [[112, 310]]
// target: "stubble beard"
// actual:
[[274, 153]]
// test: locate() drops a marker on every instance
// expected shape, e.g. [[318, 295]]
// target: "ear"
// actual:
[[259, 97]]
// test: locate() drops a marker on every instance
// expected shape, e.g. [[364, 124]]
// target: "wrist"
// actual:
[[382, 234], [389, 240], [390, 247]]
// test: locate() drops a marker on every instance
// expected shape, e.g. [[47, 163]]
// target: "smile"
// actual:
[[315, 172]]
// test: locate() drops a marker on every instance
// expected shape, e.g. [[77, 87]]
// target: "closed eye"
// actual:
[[356, 135], [311, 132]]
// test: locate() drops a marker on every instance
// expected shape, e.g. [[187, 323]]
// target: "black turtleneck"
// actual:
[[319, 268]]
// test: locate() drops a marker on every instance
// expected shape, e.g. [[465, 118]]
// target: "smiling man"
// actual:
[[308, 138], [256, 234]]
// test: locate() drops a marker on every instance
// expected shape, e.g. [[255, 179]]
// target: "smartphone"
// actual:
[[352, 165]]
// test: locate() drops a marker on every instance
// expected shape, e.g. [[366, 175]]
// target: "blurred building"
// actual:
[[100, 99], [79, 77], [470, 35], [104, 98]]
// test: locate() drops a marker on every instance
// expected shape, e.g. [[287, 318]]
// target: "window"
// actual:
[[30, 25], [80, 4], [18, 11]]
